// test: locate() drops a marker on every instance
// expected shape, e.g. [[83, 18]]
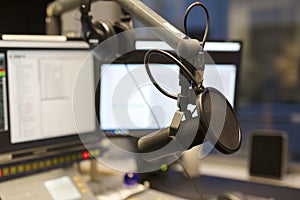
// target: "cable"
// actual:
[[76, 17], [189, 74], [143, 96], [176, 61], [207, 20], [194, 110], [190, 178]]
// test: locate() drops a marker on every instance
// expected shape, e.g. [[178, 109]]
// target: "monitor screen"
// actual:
[[129, 101], [37, 81], [40, 87]]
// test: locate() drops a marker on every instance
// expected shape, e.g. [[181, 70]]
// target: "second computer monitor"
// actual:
[[130, 104]]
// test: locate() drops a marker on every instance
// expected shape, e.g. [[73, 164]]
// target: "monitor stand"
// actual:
[[63, 183]]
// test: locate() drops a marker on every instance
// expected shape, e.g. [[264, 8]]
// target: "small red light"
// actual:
[[85, 155], [0, 172]]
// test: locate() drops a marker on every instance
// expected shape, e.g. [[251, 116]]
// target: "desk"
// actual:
[[152, 194], [177, 184], [221, 175]]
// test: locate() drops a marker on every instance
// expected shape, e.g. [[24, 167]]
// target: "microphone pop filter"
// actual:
[[212, 102]]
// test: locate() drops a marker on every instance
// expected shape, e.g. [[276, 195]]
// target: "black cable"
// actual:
[[194, 110], [189, 74], [176, 61], [190, 178], [143, 96], [207, 20]]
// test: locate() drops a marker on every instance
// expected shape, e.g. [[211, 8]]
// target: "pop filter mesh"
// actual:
[[228, 139]]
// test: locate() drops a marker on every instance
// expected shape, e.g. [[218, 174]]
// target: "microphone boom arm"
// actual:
[[190, 49]]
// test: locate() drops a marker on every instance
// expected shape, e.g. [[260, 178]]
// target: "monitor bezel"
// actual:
[[29, 149]]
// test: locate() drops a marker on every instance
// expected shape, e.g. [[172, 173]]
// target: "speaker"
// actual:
[[268, 153]]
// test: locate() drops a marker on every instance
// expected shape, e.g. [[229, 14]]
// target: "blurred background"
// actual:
[[269, 85]]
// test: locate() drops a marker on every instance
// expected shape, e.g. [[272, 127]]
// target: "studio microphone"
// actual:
[[163, 137], [192, 132]]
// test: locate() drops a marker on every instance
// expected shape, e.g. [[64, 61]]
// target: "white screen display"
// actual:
[[41, 84], [128, 100]]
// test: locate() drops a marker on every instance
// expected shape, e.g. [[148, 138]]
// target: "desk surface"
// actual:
[[177, 184], [152, 194], [219, 177], [238, 170]]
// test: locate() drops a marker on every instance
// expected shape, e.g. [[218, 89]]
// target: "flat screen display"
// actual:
[[130, 102], [37, 80]]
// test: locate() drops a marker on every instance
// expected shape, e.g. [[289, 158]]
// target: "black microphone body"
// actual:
[[189, 134], [224, 131]]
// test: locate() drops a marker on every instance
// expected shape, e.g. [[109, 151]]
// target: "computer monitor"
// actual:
[[130, 104], [37, 128]]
